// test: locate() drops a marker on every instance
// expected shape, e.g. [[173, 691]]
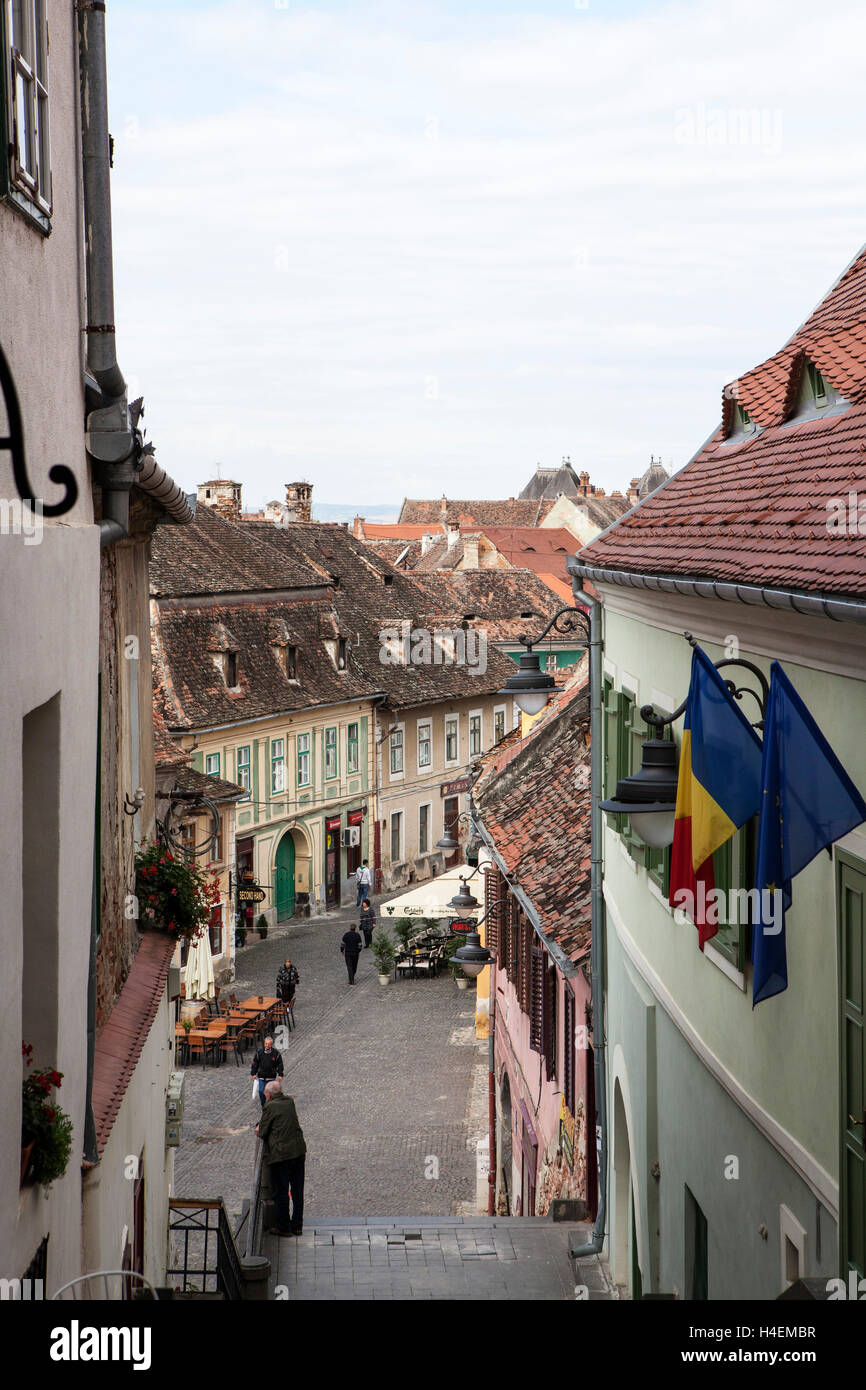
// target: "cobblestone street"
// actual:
[[382, 1078]]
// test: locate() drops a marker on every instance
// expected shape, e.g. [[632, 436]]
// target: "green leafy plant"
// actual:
[[43, 1123], [262, 925], [383, 950], [174, 896], [403, 929], [186, 1025]]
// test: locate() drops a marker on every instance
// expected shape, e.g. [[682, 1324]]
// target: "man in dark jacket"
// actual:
[[351, 948], [368, 922], [285, 1153], [267, 1066]]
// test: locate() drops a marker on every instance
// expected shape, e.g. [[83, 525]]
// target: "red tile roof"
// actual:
[[120, 1043], [755, 511], [537, 811]]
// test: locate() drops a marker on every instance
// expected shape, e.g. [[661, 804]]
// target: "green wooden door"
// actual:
[[285, 876], [851, 907]]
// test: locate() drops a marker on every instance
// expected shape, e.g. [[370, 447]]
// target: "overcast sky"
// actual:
[[407, 248]]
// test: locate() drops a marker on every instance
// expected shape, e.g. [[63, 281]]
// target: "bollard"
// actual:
[[256, 1270]]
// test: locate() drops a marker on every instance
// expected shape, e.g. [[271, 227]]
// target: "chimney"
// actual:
[[426, 541], [470, 552], [443, 507], [299, 501], [453, 534], [584, 488], [358, 528], [223, 496], [631, 493]]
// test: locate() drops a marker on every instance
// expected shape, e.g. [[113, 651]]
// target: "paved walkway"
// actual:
[[436, 1258], [381, 1077]]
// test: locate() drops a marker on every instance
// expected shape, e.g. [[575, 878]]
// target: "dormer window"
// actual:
[[231, 669], [341, 654], [743, 422], [290, 656], [388, 578], [817, 384], [817, 397]]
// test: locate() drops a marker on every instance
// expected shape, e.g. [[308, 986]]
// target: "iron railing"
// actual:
[[203, 1258]]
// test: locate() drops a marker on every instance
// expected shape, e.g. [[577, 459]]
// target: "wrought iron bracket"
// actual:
[[565, 620], [658, 721], [194, 801]]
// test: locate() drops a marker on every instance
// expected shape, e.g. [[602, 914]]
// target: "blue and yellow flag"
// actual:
[[808, 801]]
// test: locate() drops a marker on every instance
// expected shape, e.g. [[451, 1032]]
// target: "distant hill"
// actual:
[[339, 511]]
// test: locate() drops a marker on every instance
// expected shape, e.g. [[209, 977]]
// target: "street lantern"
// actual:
[[463, 901], [531, 687], [649, 797]]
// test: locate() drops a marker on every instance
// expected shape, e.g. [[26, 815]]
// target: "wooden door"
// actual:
[[284, 869], [332, 862], [851, 912]]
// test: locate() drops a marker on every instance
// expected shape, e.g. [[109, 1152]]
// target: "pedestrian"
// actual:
[[285, 1154], [363, 881], [287, 982], [368, 922], [267, 1066], [351, 949]]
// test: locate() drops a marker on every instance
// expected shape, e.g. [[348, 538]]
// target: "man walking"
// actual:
[[368, 922], [363, 880], [351, 949], [267, 1066], [285, 1153]]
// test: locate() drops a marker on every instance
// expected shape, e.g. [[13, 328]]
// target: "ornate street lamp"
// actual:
[[472, 957], [649, 796], [530, 686]]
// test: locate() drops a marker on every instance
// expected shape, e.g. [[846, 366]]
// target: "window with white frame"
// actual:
[[424, 828], [330, 753], [452, 738], [278, 765], [352, 748], [475, 736], [498, 723], [425, 743], [27, 102], [303, 760], [212, 764], [396, 744], [396, 836], [243, 769]]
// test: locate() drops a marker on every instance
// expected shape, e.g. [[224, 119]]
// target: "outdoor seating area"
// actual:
[[425, 953], [229, 1026]]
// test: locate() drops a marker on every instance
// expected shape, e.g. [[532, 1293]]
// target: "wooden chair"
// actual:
[[227, 1044]]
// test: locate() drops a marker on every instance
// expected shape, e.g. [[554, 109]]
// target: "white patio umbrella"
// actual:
[[198, 973]]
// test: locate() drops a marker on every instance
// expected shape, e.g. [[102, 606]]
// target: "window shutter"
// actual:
[[536, 999], [549, 1020], [527, 936], [568, 1060], [492, 899]]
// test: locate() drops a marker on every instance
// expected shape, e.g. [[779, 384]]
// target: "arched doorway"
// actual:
[[504, 1175], [284, 868]]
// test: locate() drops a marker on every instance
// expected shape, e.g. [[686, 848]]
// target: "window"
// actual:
[[341, 654], [475, 742], [352, 748], [568, 1059], [425, 744], [330, 753], [424, 828], [243, 769], [231, 669], [452, 738], [216, 849], [536, 999], [304, 760], [278, 765], [396, 836], [818, 384], [187, 841], [548, 1019], [396, 752], [291, 660], [27, 104], [212, 764], [733, 872], [215, 929], [499, 724]]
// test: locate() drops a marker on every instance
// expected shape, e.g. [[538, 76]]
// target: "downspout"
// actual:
[[112, 439], [599, 1045]]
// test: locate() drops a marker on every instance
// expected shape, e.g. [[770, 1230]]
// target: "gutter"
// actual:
[[112, 437], [790, 600]]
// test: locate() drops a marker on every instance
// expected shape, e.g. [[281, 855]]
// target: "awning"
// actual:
[[430, 899]]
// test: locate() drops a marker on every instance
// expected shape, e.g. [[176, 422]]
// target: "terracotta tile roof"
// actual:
[[120, 1043], [512, 511], [380, 530], [536, 809], [755, 511], [215, 555]]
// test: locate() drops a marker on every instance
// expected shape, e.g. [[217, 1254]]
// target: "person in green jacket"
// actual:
[[285, 1153]]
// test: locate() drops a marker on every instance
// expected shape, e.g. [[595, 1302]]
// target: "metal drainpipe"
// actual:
[[111, 436], [594, 1246]]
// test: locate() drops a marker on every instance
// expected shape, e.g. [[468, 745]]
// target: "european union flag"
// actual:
[[808, 802]]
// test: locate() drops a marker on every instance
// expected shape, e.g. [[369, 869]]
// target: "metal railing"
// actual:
[[203, 1256]]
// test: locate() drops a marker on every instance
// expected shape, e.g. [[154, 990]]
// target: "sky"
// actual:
[[401, 249]]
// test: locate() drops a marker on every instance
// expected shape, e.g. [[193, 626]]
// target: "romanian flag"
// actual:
[[718, 790]]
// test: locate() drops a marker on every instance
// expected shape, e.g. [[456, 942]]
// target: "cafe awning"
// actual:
[[430, 899]]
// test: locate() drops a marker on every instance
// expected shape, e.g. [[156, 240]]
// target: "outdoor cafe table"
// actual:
[[253, 1003]]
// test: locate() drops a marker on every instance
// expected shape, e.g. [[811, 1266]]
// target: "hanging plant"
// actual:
[[46, 1130], [174, 896]]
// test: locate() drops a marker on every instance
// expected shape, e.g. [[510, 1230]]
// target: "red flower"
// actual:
[[56, 1077], [51, 1113]]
